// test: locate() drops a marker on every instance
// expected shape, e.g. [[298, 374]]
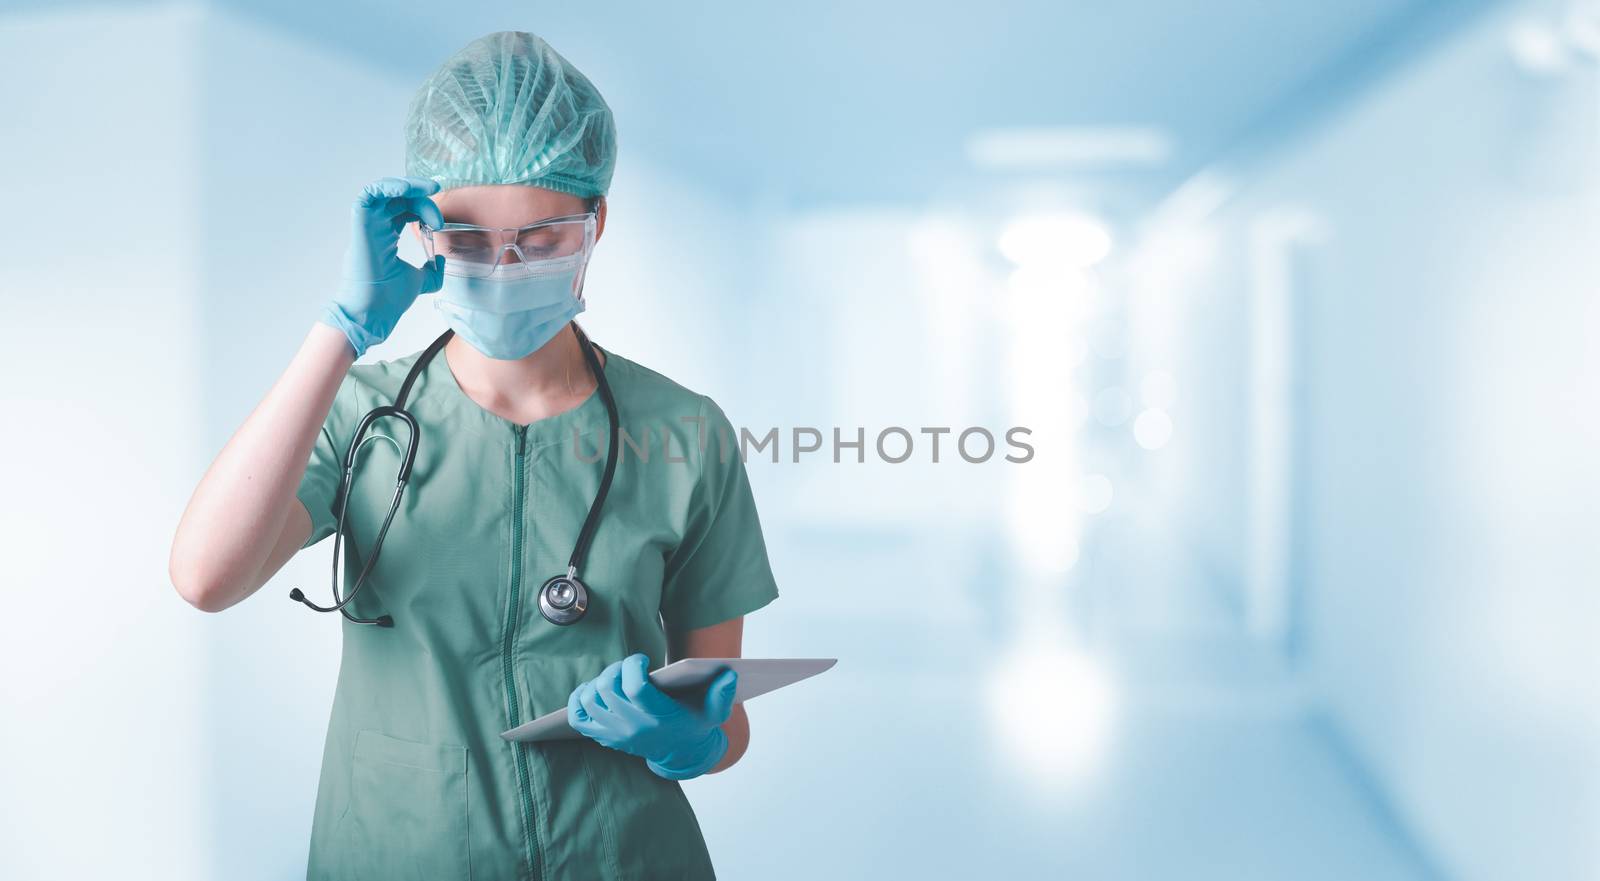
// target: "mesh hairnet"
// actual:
[[507, 109]]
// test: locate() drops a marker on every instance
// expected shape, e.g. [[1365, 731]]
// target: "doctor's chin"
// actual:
[[844, 442]]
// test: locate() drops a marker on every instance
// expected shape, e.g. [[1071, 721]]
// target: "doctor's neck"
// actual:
[[552, 378]]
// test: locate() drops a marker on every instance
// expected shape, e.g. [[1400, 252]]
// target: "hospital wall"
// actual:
[[102, 762], [1428, 249]]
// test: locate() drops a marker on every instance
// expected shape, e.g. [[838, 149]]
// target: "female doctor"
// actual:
[[452, 636]]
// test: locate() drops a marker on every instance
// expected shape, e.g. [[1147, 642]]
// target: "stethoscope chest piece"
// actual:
[[563, 600]]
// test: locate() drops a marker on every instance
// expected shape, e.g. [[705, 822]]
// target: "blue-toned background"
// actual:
[[1298, 300]]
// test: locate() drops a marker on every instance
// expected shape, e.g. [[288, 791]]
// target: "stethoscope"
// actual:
[[564, 598]]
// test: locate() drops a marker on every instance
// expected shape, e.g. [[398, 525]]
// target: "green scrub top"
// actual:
[[416, 782]]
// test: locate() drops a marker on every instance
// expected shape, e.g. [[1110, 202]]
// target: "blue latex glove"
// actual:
[[622, 709], [378, 286]]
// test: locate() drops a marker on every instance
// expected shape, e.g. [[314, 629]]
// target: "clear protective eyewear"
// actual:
[[475, 251]]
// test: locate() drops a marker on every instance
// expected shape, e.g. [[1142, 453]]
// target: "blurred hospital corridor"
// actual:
[[1186, 418]]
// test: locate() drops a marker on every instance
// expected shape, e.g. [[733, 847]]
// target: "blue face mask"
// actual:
[[515, 309]]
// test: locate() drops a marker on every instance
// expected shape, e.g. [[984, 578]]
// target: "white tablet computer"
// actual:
[[757, 676]]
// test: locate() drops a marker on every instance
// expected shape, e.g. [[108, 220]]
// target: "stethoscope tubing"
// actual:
[[560, 615]]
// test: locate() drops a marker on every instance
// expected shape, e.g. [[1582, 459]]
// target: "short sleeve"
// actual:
[[320, 484], [719, 571]]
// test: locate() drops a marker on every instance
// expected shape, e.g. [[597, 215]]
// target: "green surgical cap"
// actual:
[[508, 109]]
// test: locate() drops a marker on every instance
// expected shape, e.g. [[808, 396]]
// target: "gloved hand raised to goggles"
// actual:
[[623, 710], [378, 286]]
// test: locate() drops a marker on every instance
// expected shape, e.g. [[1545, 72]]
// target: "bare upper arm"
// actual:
[[724, 640]]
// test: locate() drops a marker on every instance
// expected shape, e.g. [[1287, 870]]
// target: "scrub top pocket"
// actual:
[[407, 815]]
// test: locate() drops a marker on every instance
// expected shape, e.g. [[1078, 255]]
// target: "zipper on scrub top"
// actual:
[[508, 642]]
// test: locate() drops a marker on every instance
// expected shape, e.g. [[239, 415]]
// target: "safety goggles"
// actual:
[[475, 251]]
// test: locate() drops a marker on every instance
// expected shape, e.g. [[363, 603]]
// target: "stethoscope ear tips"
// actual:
[[381, 620]]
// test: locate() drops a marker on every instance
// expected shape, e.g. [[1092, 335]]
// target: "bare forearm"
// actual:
[[737, 728], [238, 510]]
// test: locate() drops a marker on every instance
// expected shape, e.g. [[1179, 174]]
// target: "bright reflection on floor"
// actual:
[[1045, 304], [1052, 709]]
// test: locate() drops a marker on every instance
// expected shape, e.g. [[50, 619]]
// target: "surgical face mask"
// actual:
[[514, 309]]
